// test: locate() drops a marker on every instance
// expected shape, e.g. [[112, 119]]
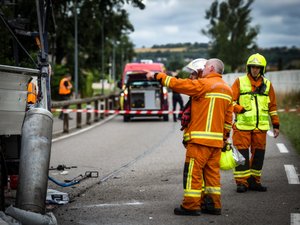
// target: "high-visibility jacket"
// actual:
[[31, 93], [256, 105], [211, 111], [63, 89]]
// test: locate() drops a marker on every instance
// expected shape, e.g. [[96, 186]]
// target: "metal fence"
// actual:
[[98, 103]]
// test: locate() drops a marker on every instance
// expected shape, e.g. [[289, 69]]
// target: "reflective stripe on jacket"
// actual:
[[211, 111], [31, 95], [63, 90], [256, 104]]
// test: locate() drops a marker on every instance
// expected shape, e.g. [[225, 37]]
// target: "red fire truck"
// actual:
[[139, 94]]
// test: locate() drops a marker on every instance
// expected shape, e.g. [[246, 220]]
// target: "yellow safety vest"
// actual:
[[256, 104]]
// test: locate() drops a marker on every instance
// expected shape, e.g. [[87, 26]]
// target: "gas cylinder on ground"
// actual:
[[34, 160]]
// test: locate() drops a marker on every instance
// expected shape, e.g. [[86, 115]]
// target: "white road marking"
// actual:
[[82, 130], [282, 148], [295, 219], [291, 174], [108, 205]]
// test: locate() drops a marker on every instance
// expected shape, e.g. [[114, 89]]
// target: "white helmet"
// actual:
[[195, 65]]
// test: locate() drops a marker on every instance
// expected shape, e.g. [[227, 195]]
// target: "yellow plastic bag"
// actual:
[[227, 161], [230, 157]]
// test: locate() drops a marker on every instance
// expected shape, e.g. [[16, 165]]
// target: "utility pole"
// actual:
[[76, 50], [102, 55], [114, 62]]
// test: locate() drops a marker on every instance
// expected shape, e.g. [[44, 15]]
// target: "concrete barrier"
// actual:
[[283, 81]]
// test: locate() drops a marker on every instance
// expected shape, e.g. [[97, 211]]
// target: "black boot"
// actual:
[[254, 186], [257, 187], [208, 203], [180, 211], [208, 206], [241, 188]]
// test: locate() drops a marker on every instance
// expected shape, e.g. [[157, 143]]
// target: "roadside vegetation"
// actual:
[[290, 121]]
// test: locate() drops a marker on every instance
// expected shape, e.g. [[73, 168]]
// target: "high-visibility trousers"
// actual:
[[202, 163], [247, 142]]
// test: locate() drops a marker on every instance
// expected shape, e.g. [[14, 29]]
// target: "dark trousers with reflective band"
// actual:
[[64, 98], [201, 163], [247, 142], [177, 99]]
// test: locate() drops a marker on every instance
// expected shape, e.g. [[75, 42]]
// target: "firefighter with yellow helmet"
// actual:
[[254, 102]]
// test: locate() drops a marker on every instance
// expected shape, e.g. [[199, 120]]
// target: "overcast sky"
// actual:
[[180, 21]]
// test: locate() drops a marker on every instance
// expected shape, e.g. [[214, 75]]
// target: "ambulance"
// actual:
[[141, 97]]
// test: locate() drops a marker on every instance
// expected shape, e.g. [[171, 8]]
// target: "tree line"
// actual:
[[104, 45], [278, 58], [103, 31]]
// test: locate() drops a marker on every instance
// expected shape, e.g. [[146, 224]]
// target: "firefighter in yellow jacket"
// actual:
[[211, 118], [254, 102]]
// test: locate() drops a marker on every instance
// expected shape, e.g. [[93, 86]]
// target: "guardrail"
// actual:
[[99, 103]]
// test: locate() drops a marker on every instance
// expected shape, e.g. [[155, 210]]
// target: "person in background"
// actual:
[[176, 98], [209, 128], [254, 101], [65, 91]]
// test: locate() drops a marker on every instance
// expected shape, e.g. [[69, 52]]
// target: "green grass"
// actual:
[[289, 126], [290, 121], [288, 100], [105, 91]]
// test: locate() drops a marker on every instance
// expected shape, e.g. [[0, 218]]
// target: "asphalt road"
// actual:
[[140, 179]]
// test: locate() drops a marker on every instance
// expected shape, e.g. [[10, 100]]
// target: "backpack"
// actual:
[[186, 115]]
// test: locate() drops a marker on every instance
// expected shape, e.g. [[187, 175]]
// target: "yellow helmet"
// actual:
[[257, 60]]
